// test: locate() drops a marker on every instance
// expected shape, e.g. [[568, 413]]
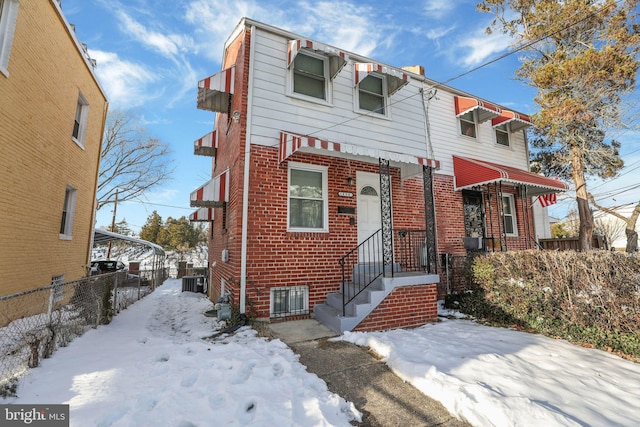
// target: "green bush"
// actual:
[[588, 297]]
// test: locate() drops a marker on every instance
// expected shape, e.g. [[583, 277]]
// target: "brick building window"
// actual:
[[8, 15], [310, 75], [68, 210], [509, 215], [80, 120], [308, 198], [289, 300]]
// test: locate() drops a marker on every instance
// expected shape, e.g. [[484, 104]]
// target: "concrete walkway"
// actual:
[[356, 375]]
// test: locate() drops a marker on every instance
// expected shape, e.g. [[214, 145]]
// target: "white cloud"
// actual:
[[168, 45], [479, 46], [439, 8], [127, 84]]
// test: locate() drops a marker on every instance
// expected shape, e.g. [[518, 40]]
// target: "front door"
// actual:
[[473, 217], [368, 208]]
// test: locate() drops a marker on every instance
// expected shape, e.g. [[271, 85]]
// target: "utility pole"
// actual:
[[113, 223]]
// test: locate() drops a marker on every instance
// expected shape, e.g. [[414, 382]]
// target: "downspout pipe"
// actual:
[[246, 184]]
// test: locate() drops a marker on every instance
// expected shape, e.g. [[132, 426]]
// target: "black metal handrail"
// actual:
[[364, 264]]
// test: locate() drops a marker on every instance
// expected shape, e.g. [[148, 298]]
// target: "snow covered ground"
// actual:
[[153, 365]]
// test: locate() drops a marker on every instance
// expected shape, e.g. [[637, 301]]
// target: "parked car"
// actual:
[[106, 266]]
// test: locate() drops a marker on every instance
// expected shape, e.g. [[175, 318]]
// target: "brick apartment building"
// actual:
[[52, 115]]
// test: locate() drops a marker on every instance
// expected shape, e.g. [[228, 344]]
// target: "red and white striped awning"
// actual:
[[337, 58], [202, 215], [292, 142], [516, 121], [215, 91], [207, 145], [486, 111], [396, 79], [469, 173], [213, 194]]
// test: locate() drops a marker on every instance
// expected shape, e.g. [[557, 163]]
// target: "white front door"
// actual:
[[368, 205]]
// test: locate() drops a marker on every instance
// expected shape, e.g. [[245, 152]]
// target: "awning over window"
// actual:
[[396, 79], [207, 145], [337, 58], [215, 91], [202, 215], [516, 121], [472, 172], [292, 142], [213, 194], [486, 111]]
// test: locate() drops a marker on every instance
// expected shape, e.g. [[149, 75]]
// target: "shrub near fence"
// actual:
[[585, 297], [33, 324]]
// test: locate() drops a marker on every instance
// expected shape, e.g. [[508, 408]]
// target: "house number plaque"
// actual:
[[345, 194]]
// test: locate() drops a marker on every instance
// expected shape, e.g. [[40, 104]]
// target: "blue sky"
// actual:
[[151, 54]]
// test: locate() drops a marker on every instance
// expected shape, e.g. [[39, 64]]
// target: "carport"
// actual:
[[102, 236]]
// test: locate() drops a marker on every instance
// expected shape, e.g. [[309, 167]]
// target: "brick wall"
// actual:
[[405, 307], [39, 158]]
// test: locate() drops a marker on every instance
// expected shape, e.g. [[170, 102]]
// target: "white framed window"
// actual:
[[509, 215], [308, 198], [468, 124], [372, 94], [310, 76], [80, 120], [68, 211], [8, 16], [289, 300], [502, 135]]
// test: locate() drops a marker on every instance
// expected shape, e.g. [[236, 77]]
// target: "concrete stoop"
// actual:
[[330, 313]]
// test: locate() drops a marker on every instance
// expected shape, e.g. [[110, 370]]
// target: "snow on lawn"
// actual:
[[153, 365], [501, 377]]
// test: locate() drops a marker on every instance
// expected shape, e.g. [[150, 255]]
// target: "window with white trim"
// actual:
[[80, 120], [8, 16], [310, 75], [468, 124], [289, 300], [502, 135], [308, 198], [509, 215], [372, 94], [68, 211]]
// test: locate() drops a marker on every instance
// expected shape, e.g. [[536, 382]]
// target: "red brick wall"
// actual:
[[405, 307]]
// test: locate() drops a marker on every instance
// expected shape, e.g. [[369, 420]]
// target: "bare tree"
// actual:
[[131, 161], [581, 56], [629, 223]]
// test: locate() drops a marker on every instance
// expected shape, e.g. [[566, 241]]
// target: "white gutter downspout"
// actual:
[[245, 189]]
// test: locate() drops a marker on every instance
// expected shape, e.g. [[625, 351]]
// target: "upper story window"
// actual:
[[313, 66], [68, 211], [80, 121], [374, 84], [8, 15], [502, 135], [509, 215], [371, 94], [309, 75], [468, 124], [308, 198]]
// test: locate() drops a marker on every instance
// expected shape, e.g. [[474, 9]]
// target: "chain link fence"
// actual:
[[34, 323]]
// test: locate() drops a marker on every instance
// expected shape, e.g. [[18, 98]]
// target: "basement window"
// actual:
[[289, 300]]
